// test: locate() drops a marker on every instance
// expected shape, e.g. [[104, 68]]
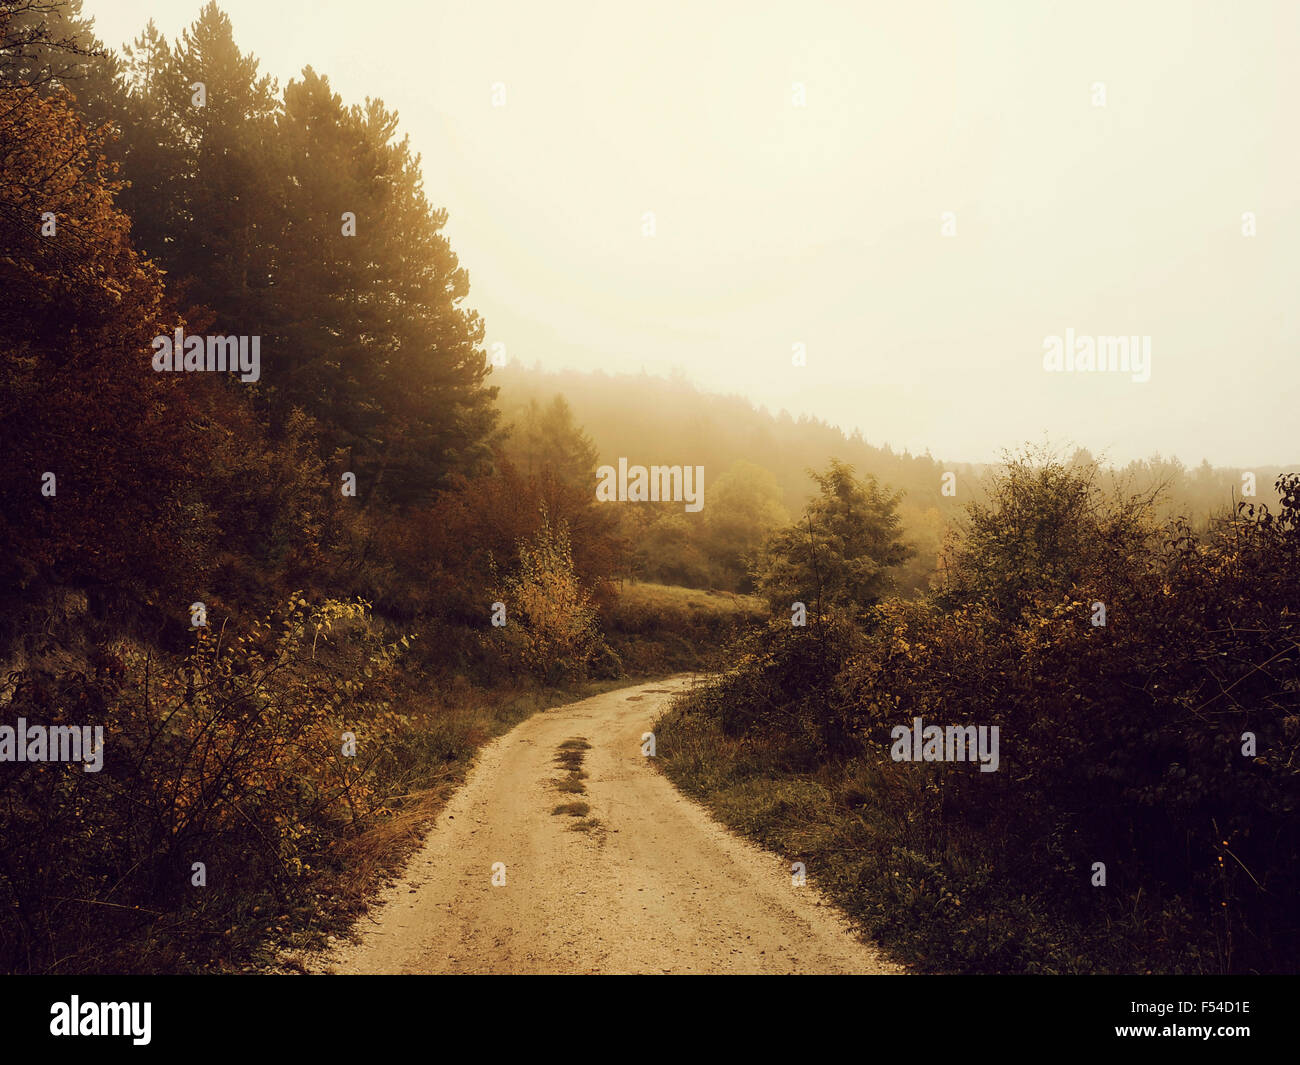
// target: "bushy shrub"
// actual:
[[234, 757], [552, 628], [1164, 742]]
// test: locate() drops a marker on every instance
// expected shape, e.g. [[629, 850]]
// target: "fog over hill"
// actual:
[[668, 420]]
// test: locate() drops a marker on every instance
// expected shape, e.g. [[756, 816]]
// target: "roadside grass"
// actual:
[[570, 760], [665, 598], [661, 628], [874, 839], [569, 757]]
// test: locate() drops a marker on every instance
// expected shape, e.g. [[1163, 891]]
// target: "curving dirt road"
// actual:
[[650, 884]]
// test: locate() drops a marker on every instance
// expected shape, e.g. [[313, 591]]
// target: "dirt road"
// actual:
[[649, 885]]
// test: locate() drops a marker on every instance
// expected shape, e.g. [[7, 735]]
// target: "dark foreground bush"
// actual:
[[223, 780]]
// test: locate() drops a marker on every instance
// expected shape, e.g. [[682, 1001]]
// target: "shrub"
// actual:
[[232, 757], [1128, 743], [552, 629]]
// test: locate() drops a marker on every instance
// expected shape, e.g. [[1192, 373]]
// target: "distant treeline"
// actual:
[[757, 467]]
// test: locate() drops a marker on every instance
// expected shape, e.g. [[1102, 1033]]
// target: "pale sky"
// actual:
[[777, 224]]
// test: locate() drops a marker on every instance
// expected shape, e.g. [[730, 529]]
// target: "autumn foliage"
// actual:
[[127, 212], [1160, 739]]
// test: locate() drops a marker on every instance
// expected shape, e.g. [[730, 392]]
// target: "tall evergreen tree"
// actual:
[[305, 222], [842, 550]]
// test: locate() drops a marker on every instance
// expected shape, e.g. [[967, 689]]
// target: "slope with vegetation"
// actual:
[[756, 471], [1144, 813], [261, 768]]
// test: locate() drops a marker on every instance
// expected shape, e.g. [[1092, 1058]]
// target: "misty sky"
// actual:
[[821, 225]]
